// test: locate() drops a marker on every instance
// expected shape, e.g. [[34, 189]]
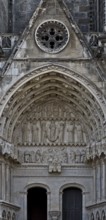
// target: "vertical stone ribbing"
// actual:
[[100, 15], [103, 189], [104, 25], [7, 182], [3, 16], [10, 15], [3, 181], [98, 181], [94, 182], [23, 10]]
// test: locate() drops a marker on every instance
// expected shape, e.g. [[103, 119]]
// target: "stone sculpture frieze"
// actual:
[[54, 155], [50, 124], [50, 133]]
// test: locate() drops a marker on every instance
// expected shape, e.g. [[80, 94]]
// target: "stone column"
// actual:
[[54, 200], [48, 204], [22, 199], [54, 211], [94, 182], [84, 211], [24, 195], [0, 180], [103, 178], [7, 182], [3, 181], [98, 180]]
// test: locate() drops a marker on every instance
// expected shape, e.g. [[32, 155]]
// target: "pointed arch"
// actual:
[[58, 83]]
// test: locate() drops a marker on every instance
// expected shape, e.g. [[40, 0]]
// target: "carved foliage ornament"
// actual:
[[52, 36]]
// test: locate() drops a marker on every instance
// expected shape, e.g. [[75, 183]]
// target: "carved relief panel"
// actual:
[[52, 155], [51, 135], [42, 132], [49, 125]]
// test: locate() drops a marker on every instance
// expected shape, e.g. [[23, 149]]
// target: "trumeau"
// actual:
[[53, 120]]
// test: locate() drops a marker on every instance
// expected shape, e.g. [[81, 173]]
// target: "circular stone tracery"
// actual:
[[52, 36]]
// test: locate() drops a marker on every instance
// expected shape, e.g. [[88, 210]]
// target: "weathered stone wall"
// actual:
[[0, 180], [3, 16], [80, 11], [23, 10], [85, 16]]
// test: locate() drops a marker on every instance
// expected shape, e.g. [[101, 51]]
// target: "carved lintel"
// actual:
[[54, 157], [54, 215]]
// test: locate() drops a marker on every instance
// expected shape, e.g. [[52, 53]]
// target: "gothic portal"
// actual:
[[52, 119]]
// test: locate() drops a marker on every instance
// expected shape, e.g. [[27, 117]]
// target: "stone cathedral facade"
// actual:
[[52, 110]]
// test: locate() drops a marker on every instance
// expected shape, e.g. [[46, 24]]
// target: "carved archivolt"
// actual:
[[52, 108]]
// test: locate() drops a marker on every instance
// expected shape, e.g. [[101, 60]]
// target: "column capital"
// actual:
[[54, 215]]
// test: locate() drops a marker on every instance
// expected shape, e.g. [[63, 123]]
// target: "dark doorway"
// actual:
[[72, 204], [37, 204]]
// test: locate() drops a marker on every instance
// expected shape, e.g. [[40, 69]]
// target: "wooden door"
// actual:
[[72, 204]]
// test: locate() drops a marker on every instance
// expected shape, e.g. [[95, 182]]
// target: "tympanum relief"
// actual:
[[49, 124], [52, 135]]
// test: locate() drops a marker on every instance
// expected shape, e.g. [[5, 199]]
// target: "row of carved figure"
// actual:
[[51, 110], [8, 215], [98, 215], [47, 132], [45, 155]]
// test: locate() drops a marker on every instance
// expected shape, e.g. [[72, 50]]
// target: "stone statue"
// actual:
[[43, 132], [29, 132], [70, 133], [54, 166], [36, 133], [61, 132], [38, 157], [52, 131], [27, 157]]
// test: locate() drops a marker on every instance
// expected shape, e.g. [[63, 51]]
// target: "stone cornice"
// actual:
[[96, 205], [10, 205]]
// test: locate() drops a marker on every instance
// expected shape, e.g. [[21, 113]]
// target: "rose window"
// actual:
[[52, 36]]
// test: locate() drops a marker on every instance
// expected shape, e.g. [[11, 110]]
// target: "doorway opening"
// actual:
[[72, 204], [37, 204]]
